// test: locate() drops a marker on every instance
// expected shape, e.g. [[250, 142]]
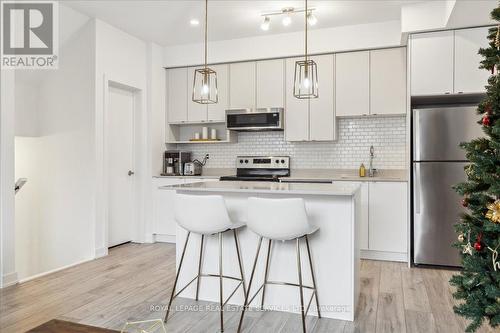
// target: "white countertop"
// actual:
[[304, 175], [335, 189]]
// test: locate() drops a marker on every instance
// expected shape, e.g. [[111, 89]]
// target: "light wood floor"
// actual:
[[125, 285]]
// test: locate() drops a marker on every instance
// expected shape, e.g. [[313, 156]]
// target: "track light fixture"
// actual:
[[286, 14]]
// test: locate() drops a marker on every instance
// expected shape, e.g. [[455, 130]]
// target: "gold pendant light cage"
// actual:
[[205, 79], [205, 86], [305, 83]]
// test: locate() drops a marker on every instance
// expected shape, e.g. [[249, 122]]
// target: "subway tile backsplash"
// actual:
[[356, 135]]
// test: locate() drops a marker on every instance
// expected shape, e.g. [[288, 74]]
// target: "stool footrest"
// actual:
[[279, 283], [212, 275]]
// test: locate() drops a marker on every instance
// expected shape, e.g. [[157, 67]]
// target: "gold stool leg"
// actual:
[[240, 262], [299, 269], [249, 285], [313, 277], [266, 274], [177, 277], [199, 267]]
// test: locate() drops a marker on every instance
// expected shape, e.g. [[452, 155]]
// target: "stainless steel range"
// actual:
[[260, 168]]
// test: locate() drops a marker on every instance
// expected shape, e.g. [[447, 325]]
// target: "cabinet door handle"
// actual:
[[130, 173], [460, 92], [447, 93]]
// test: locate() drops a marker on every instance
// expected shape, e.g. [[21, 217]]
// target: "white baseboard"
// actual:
[[164, 238], [54, 270], [102, 252], [9, 279], [149, 238], [382, 255]]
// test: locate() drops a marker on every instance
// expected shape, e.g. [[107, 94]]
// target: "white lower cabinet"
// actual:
[[387, 215], [363, 229], [164, 224], [383, 221]]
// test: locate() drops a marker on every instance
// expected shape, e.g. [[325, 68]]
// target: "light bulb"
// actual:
[[287, 20], [265, 25], [194, 22], [205, 89], [311, 19], [306, 83]]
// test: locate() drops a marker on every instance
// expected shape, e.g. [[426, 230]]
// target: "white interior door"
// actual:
[[120, 135]]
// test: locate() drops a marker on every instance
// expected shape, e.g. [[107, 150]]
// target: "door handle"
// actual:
[[417, 188], [130, 173]]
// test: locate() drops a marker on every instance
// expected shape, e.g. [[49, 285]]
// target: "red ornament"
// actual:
[[478, 246], [486, 120], [465, 202]]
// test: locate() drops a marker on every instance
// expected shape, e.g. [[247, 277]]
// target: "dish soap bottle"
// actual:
[[362, 170]]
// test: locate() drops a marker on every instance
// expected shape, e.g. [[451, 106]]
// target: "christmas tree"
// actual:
[[478, 284]]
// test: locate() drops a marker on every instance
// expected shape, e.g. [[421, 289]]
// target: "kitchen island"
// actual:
[[334, 208]]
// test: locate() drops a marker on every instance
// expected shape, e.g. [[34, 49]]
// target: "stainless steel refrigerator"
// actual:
[[438, 164]]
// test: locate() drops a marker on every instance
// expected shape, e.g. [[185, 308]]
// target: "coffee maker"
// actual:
[[173, 162]]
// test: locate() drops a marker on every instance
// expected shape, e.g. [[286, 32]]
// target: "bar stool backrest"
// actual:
[[280, 219], [201, 214]]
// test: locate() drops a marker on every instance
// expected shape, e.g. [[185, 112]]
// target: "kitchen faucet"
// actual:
[[371, 170]]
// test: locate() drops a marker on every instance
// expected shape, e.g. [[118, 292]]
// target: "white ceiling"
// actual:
[[166, 22]]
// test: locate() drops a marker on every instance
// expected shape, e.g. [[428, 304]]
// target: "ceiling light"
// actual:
[[287, 20], [194, 22], [305, 85], [311, 19], [205, 78], [265, 25]]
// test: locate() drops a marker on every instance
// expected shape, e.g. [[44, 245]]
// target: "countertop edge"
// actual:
[[261, 191]]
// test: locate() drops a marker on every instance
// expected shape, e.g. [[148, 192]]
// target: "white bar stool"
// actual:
[[188, 210], [280, 219]]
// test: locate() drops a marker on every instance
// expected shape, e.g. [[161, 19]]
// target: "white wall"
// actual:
[[54, 150], [28, 223], [26, 117], [8, 273], [363, 36], [157, 100]]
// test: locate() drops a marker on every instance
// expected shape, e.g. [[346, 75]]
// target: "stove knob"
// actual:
[[277, 161], [283, 161], [246, 161], [241, 161]]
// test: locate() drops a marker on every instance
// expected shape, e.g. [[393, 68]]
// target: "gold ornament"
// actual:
[[467, 248], [493, 212], [461, 237]]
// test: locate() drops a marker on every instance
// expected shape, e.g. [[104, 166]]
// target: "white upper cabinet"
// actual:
[[321, 110], [432, 63], [352, 83], [388, 81], [177, 95], [242, 85], [447, 62], [296, 110], [270, 83], [217, 112], [196, 112], [468, 78]]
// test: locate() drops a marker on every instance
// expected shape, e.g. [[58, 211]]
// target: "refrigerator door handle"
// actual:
[[416, 172], [416, 133]]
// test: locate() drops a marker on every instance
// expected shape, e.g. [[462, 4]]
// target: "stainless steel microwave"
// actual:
[[262, 119]]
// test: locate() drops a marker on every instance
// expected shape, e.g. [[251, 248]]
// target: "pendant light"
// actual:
[[305, 84], [205, 79]]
